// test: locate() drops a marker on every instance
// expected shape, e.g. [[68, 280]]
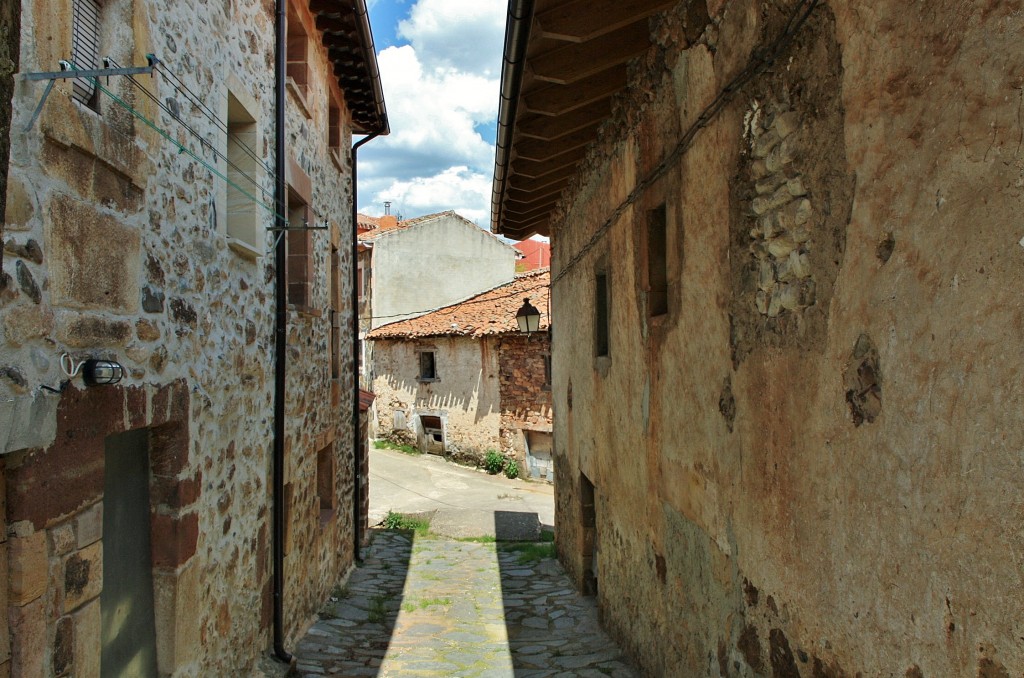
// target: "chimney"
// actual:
[[388, 220]]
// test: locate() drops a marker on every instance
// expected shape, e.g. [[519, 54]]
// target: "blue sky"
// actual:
[[440, 63]]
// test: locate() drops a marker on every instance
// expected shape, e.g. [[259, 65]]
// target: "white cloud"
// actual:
[[441, 92], [455, 188], [464, 34]]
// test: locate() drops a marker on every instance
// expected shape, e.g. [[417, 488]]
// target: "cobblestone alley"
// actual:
[[435, 606]]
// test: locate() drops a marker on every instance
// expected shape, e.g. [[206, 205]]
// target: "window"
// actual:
[[325, 481], [334, 126], [428, 366], [547, 371], [602, 303], [85, 49], [300, 253], [335, 312], [657, 262], [297, 67], [243, 216]]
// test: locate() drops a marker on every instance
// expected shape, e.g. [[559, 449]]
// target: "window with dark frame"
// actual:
[[85, 50], [601, 307], [547, 371], [428, 366], [657, 262]]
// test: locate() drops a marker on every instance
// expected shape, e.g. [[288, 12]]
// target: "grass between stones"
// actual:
[[423, 604], [400, 521], [530, 552]]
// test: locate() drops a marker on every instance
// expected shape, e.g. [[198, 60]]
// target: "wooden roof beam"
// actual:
[[549, 128], [574, 62], [528, 185], [536, 149], [559, 99], [534, 169], [584, 20]]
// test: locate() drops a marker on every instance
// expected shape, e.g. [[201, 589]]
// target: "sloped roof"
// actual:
[[386, 225], [489, 313]]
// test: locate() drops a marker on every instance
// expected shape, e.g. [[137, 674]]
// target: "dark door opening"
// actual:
[[588, 531], [128, 631]]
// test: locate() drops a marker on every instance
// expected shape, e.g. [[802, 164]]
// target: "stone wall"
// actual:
[[117, 247], [465, 395], [808, 466], [525, 397]]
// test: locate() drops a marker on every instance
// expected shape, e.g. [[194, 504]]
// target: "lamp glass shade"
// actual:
[[97, 372], [528, 317]]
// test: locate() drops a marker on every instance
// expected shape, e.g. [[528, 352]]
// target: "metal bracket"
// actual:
[[68, 72]]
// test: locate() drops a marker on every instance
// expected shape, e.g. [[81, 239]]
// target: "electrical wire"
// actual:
[[758, 63], [203, 142]]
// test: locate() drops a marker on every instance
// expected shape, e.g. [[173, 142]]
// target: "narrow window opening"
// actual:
[[325, 483], [657, 262], [243, 216], [547, 371], [335, 313], [300, 253], [428, 366], [601, 307], [85, 50]]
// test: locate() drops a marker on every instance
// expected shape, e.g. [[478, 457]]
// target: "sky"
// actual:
[[440, 65]]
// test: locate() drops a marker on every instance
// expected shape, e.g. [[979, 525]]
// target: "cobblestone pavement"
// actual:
[[432, 606]]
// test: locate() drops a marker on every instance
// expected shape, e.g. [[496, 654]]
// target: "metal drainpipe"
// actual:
[[280, 331], [356, 436]]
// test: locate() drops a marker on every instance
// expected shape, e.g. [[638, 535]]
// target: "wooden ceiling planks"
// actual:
[[576, 61]]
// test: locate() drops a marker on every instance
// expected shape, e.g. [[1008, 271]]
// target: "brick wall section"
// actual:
[[525, 400]]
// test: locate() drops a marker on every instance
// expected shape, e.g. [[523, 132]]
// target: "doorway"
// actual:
[[128, 630]]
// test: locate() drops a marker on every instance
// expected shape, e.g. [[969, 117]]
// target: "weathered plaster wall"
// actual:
[[465, 394], [525, 398], [811, 466], [115, 248], [433, 264]]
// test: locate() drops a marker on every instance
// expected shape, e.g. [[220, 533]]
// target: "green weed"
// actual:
[[400, 521], [388, 445]]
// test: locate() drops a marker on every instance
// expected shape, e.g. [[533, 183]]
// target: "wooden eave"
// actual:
[[571, 64], [344, 29]]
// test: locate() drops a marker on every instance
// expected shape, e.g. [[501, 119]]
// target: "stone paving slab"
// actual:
[[434, 606]]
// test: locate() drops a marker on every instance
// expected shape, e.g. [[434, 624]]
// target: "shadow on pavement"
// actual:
[[552, 629], [358, 623]]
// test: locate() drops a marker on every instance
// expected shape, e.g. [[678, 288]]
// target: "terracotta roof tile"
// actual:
[[492, 312]]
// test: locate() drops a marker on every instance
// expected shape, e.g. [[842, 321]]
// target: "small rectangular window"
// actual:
[[428, 366], [244, 219], [601, 307], [85, 49], [657, 262], [325, 483], [334, 127], [547, 371], [300, 253]]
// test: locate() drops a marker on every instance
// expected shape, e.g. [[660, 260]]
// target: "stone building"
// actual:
[[788, 373], [463, 380], [139, 516]]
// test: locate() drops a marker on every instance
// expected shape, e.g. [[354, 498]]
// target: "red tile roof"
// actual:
[[492, 312]]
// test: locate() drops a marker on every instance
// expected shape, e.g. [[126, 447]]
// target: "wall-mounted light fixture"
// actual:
[[528, 317], [101, 372]]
